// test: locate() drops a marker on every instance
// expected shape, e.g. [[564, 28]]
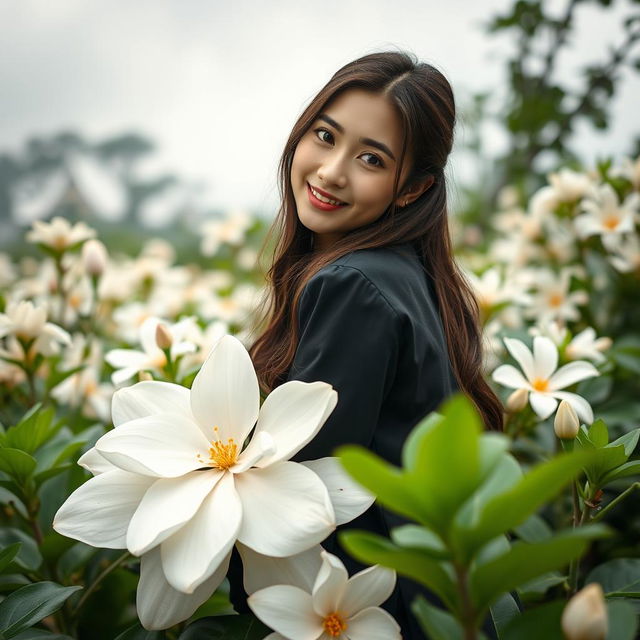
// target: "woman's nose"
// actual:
[[332, 171]]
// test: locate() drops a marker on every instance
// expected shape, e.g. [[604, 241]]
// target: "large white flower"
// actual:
[[174, 477], [331, 606], [542, 380]]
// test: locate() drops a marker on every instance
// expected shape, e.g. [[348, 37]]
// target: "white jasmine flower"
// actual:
[[630, 169], [58, 234], [553, 300], [586, 345], [625, 254], [229, 230], [29, 323], [542, 380], [605, 216], [128, 362], [569, 185], [173, 477], [336, 607]]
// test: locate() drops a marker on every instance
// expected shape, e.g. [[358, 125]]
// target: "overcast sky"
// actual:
[[217, 85]]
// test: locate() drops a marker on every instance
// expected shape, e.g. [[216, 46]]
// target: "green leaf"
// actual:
[[536, 588], [541, 622], [414, 536], [33, 430], [17, 464], [447, 467], [28, 605], [623, 621], [412, 443], [245, 626], [513, 507], [40, 634], [43, 476], [598, 433], [623, 471], [525, 561], [618, 575], [138, 632], [504, 610], [492, 447], [388, 483], [436, 623], [8, 554], [628, 441], [372, 549], [533, 529], [28, 556], [604, 460]]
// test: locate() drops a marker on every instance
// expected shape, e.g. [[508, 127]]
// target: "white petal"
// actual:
[[543, 405], [262, 445], [275, 636], [167, 506], [159, 605], [508, 376], [225, 392], [581, 406], [329, 585], [373, 624], [120, 358], [260, 571], [522, 355], [94, 462], [349, 499], [148, 335], [288, 610], [572, 372], [196, 550], [286, 509], [122, 375], [99, 511], [149, 398], [164, 445], [292, 414], [367, 588], [545, 355]]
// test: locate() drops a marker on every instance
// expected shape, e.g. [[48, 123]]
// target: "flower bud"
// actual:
[[585, 616], [517, 401], [144, 376], [566, 423], [94, 257], [163, 337]]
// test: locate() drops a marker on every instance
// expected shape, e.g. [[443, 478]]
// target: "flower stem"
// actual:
[[468, 613], [94, 585], [614, 503]]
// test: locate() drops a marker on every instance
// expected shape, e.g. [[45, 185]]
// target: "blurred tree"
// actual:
[[539, 113]]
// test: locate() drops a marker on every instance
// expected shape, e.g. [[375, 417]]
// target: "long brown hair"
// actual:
[[425, 105]]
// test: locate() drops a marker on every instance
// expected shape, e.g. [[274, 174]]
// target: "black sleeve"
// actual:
[[349, 336]]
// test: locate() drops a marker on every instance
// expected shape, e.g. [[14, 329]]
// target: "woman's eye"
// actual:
[[324, 135], [375, 160]]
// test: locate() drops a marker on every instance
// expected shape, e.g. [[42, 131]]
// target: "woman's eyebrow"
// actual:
[[369, 141]]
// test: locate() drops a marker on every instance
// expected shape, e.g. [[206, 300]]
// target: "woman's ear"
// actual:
[[416, 189]]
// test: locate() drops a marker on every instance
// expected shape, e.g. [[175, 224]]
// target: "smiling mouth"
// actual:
[[325, 199]]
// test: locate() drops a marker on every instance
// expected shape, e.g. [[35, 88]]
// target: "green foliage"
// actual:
[[459, 550], [241, 627]]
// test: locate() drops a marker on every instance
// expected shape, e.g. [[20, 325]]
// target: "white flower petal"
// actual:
[[262, 445], [292, 414], [196, 550], [120, 358], [373, 624], [349, 499], [545, 355], [260, 571], [508, 376], [163, 445], [286, 509], [522, 355], [329, 585], [367, 588], [148, 336], [543, 405], [159, 605], [167, 506], [149, 398], [581, 406], [571, 373], [225, 392], [288, 610], [95, 463], [99, 511]]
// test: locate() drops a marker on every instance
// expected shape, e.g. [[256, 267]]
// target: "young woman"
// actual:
[[364, 290]]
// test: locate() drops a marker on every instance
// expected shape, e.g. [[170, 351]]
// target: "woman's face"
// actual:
[[344, 166]]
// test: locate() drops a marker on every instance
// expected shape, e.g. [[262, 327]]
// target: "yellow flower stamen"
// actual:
[[555, 300], [221, 456], [334, 625], [611, 222], [540, 384]]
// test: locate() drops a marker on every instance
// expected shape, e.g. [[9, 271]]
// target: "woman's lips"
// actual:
[[318, 204]]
